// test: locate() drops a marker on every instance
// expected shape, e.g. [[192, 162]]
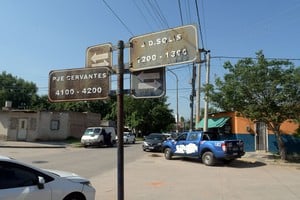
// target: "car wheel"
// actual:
[[133, 142], [208, 158], [74, 196], [168, 153]]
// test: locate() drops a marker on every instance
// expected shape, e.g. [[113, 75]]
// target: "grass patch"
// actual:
[[74, 142]]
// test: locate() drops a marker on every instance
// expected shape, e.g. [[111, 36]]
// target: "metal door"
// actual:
[[22, 129], [261, 133]]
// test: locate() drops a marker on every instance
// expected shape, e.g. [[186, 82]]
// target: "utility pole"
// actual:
[[192, 97], [120, 119], [198, 92], [206, 102], [177, 114]]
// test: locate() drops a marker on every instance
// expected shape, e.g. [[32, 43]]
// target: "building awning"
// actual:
[[213, 122]]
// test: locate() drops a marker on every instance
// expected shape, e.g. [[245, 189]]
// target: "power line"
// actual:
[[180, 12], [270, 58], [199, 24], [126, 27], [157, 14], [142, 13]]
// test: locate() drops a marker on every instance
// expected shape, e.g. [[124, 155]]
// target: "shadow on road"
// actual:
[[233, 164], [245, 164]]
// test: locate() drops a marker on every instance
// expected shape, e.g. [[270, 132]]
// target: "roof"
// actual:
[[213, 122]]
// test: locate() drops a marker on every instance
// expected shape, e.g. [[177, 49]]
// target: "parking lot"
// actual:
[[149, 176]]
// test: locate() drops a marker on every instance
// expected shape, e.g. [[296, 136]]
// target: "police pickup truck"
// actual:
[[206, 146]]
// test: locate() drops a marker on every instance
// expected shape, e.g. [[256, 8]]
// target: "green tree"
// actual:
[[261, 89], [20, 92], [144, 115]]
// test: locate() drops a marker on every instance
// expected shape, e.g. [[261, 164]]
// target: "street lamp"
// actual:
[[177, 115]]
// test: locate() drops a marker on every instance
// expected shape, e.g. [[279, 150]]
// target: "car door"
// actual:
[[180, 146], [20, 183], [192, 144]]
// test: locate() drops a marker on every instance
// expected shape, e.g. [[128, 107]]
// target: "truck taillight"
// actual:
[[224, 148]]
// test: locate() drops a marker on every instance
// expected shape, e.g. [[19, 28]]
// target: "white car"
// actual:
[[129, 137], [19, 181]]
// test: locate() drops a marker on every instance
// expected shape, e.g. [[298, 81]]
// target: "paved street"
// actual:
[[149, 176], [153, 177]]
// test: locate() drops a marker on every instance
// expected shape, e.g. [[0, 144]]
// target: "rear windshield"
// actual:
[[156, 137], [211, 136], [92, 131]]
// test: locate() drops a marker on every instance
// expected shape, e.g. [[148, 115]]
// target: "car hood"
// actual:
[[153, 141], [68, 175]]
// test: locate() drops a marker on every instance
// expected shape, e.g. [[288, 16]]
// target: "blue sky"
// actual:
[[38, 36]]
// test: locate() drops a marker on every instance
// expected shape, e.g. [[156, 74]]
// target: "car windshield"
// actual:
[[92, 131], [155, 137]]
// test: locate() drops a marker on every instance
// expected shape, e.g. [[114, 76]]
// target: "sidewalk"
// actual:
[[268, 158], [23, 144]]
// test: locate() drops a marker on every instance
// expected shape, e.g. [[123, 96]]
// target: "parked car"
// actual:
[[153, 142], [22, 181], [99, 136], [129, 137]]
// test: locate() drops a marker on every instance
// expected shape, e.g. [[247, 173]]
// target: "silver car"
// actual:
[[21, 181]]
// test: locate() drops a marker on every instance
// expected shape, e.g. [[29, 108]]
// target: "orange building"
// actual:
[[255, 134]]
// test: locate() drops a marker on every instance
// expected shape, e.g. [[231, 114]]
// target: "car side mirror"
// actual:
[[41, 182]]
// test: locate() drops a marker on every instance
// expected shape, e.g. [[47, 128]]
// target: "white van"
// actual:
[[99, 136]]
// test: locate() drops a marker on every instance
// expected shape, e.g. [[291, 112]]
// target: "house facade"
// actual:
[[26, 125], [255, 134]]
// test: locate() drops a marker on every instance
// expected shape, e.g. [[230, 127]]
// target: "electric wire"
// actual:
[[120, 20], [199, 24], [146, 6], [157, 14], [160, 14], [142, 14], [180, 12]]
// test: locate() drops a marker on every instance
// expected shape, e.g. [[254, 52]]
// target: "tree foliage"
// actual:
[[261, 89], [20, 92], [145, 115]]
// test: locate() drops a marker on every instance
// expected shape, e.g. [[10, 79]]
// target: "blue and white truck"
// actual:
[[207, 146]]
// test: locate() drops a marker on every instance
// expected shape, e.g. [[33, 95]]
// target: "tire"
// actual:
[[208, 158], [168, 153], [74, 196]]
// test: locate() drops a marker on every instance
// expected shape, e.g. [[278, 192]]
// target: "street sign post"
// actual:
[[169, 47], [148, 83], [79, 84], [99, 56]]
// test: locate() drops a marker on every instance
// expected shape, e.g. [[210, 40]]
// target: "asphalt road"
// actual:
[[149, 176]]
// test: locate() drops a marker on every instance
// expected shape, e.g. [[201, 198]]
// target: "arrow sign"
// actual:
[[99, 56], [150, 85], [101, 64], [144, 76]]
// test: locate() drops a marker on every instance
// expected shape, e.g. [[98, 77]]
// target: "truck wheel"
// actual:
[[208, 158], [168, 153]]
